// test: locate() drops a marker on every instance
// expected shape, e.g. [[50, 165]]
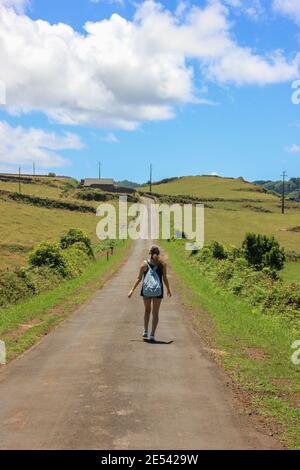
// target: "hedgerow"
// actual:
[[263, 288], [101, 196], [49, 264], [47, 203]]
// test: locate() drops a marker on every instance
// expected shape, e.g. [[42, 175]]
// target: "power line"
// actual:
[[19, 180], [151, 172]]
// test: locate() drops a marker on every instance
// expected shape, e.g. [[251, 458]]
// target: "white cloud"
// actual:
[[18, 5], [252, 8], [121, 73], [290, 8], [2, 93], [20, 146], [293, 148], [110, 138]]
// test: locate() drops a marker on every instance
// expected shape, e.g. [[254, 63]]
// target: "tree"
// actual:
[[75, 235], [262, 251]]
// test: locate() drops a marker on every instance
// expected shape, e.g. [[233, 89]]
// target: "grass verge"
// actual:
[[22, 325], [291, 272], [254, 349]]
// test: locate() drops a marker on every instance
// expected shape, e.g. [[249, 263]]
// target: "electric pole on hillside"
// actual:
[[19, 180], [151, 171], [33, 169], [100, 166], [284, 175]]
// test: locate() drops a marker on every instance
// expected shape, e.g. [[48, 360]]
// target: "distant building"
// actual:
[[105, 184], [96, 183]]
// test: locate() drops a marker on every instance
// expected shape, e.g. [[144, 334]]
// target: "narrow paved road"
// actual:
[[94, 384]]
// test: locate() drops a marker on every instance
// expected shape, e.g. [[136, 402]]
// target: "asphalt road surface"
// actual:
[[92, 383]]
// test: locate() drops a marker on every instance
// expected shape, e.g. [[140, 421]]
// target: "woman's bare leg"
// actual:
[[147, 303], [155, 315]]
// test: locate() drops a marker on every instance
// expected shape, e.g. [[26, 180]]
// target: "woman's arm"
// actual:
[[166, 280], [139, 279]]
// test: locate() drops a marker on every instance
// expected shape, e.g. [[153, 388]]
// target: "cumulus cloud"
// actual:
[[20, 146], [293, 148], [290, 8], [121, 72]]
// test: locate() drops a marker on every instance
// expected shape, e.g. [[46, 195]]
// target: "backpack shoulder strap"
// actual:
[[147, 264]]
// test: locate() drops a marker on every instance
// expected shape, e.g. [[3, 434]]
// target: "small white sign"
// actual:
[[2, 353], [2, 93]]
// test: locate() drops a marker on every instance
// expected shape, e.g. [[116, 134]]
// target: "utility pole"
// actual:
[[284, 175], [151, 171], [33, 169], [100, 166], [19, 180]]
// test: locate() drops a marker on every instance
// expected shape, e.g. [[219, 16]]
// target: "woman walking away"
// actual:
[[153, 272]]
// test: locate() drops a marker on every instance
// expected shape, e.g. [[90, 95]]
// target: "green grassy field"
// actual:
[[22, 325], [230, 226], [228, 220], [44, 187], [212, 187], [53, 188], [23, 225], [291, 272], [254, 349]]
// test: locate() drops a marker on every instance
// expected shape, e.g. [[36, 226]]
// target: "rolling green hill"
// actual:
[[235, 207], [211, 187], [292, 187], [23, 223]]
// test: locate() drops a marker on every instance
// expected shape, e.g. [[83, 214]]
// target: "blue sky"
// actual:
[[193, 87]]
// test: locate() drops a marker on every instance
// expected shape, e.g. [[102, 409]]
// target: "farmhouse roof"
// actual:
[[93, 181]]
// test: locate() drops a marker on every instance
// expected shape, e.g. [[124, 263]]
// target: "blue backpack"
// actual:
[[151, 284]]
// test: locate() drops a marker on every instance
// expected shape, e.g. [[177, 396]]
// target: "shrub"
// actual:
[[262, 251], [204, 254], [76, 258], [40, 279], [218, 250], [263, 289], [272, 273], [77, 236], [224, 271], [12, 288], [48, 254]]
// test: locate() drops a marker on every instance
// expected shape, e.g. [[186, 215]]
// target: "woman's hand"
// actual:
[[130, 294], [169, 293]]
